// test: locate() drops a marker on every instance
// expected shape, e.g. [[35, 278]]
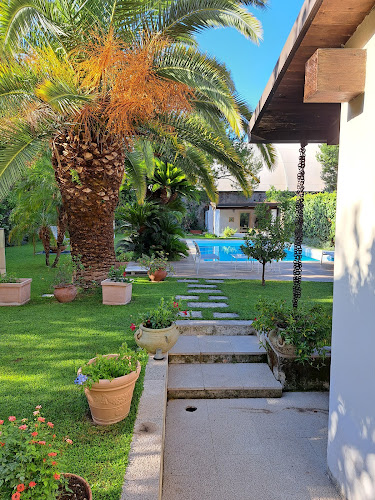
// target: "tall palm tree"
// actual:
[[90, 76]]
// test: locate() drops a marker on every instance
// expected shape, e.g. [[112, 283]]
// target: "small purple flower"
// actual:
[[81, 379]]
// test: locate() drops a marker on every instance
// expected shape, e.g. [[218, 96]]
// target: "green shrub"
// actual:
[[228, 232]]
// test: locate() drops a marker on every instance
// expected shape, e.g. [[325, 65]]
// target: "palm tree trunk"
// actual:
[[89, 175], [45, 236], [61, 229]]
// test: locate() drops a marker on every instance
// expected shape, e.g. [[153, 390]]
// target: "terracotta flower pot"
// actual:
[[110, 400], [79, 486], [116, 293], [158, 275], [150, 339], [15, 294], [65, 293], [279, 344]]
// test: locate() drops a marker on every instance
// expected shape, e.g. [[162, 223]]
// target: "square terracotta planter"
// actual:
[[15, 294], [116, 293]]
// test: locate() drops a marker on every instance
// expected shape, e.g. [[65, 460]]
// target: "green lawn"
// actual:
[[43, 343]]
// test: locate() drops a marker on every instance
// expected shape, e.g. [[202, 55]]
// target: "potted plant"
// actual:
[[108, 381], [29, 455], [158, 329], [65, 289], [157, 265], [14, 291], [117, 288], [123, 259], [300, 333]]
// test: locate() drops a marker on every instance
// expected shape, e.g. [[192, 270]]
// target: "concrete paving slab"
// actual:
[[225, 315], [207, 305], [204, 290], [217, 297], [187, 297], [202, 286], [216, 327], [186, 377], [214, 281], [186, 344], [244, 467], [191, 314], [188, 281], [210, 344]]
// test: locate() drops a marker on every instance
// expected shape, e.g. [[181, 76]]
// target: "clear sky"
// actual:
[[251, 65]]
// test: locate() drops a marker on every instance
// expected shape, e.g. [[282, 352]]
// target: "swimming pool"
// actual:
[[226, 249]]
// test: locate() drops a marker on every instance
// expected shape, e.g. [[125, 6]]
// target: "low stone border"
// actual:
[[144, 474]]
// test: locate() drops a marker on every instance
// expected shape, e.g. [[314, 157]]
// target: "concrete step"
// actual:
[[222, 349], [222, 381], [215, 327]]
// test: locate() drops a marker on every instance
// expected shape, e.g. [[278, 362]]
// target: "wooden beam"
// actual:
[[335, 75]]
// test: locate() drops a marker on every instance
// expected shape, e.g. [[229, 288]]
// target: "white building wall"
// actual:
[[351, 437]]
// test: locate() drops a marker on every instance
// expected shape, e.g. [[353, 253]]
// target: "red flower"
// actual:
[[11, 419], [50, 424], [175, 304], [52, 454], [54, 436], [32, 484], [34, 433], [44, 459], [41, 419], [56, 476], [185, 312], [124, 274], [2, 444], [1, 422], [23, 427], [20, 487], [54, 463], [16, 496], [41, 442], [132, 327], [255, 319]]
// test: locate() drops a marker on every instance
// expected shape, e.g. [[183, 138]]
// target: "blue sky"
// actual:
[[252, 65]]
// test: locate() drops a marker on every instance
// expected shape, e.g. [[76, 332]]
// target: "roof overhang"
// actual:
[[281, 115]]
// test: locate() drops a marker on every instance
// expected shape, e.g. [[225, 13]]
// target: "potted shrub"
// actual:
[[14, 291], [300, 333], [157, 265], [117, 288], [65, 289], [158, 329], [29, 455], [108, 381]]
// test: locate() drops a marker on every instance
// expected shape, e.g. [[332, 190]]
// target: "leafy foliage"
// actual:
[[228, 232], [308, 329], [8, 278], [162, 316], [118, 275], [158, 262], [329, 158]]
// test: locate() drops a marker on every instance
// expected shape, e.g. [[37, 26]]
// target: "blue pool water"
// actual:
[[225, 249]]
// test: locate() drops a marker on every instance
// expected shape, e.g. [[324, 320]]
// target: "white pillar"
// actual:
[[2, 252]]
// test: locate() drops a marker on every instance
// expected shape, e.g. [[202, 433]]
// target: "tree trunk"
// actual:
[[263, 270], [45, 236], [61, 228], [89, 176]]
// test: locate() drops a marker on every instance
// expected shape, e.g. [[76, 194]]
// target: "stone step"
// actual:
[[207, 305], [216, 327], [217, 315], [188, 281], [204, 290], [222, 380], [214, 281], [223, 349], [202, 286]]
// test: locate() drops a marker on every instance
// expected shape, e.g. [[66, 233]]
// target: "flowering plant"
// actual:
[[118, 275], [156, 262], [8, 278], [28, 459], [162, 316], [108, 368]]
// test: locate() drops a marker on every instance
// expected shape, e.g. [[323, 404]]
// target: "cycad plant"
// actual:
[[90, 76]]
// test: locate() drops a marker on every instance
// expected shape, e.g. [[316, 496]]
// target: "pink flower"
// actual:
[[38, 407], [34, 433], [35, 413], [11, 419], [54, 463], [23, 427], [54, 436], [32, 484], [50, 424], [41, 442], [41, 419], [56, 476], [52, 454], [69, 441], [1, 422], [175, 304], [132, 327]]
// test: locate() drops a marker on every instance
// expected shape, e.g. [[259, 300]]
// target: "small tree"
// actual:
[[329, 158], [269, 239]]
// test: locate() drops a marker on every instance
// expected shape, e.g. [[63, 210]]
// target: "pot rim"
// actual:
[[157, 329], [107, 281], [117, 381], [71, 285], [70, 474]]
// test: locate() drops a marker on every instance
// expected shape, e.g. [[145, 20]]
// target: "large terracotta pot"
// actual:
[[116, 293], [110, 400], [158, 275], [79, 486], [279, 344], [65, 293], [15, 294], [150, 339]]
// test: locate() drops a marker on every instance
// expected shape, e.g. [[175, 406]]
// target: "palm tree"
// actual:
[[90, 76]]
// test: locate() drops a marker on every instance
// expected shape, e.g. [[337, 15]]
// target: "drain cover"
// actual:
[[191, 408]]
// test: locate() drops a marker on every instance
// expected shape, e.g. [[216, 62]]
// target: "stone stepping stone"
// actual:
[[187, 281], [187, 297], [207, 305], [214, 281], [48, 295], [225, 315], [202, 286], [191, 314], [204, 290], [217, 297]]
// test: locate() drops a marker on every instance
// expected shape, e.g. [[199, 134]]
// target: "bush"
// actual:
[[228, 232]]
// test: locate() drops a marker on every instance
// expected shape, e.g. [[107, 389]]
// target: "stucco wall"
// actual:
[[226, 214], [351, 446]]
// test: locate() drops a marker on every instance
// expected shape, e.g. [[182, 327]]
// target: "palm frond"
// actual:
[[135, 171]]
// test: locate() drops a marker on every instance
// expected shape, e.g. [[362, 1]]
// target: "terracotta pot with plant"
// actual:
[[109, 381], [158, 329], [14, 291], [117, 288], [65, 289], [29, 449], [157, 265]]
